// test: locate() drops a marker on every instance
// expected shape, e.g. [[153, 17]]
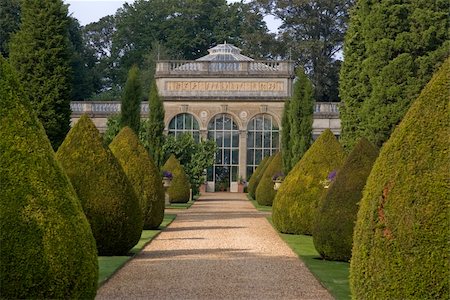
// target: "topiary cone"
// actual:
[[256, 176], [401, 240], [106, 194], [333, 227], [47, 250], [143, 175], [296, 202], [265, 192], [179, 188]]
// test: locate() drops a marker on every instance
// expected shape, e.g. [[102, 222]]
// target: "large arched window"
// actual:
[[263, 139], [184, 123], [224, 131]]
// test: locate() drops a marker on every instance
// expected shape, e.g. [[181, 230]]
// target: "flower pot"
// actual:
[[166, 182], [277, 185]]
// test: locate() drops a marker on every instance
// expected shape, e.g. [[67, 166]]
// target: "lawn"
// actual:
[[333, 275], [258, 206], [108, 265]]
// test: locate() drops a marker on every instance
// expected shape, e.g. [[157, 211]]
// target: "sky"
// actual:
[[87, 11]]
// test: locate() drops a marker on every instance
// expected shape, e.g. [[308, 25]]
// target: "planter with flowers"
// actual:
[[277, 180], [330, 178], [167, 178], [241, 184]]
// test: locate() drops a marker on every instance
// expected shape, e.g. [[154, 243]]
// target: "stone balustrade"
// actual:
[[106, 108], [236, 68]]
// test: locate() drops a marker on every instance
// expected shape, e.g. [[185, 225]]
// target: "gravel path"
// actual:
[[220, 248]]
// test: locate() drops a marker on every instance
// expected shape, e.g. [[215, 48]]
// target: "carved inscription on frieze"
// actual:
[[225, 86]]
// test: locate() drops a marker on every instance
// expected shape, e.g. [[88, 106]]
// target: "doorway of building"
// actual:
[[223, 176]]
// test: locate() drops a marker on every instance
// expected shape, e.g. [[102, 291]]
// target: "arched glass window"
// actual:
[[224, 131], [184, 123], [263, 139]]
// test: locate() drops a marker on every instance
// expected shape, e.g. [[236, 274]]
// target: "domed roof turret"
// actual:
[[225, 52]]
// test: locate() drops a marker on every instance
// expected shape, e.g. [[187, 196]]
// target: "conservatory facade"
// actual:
[[232, 99]]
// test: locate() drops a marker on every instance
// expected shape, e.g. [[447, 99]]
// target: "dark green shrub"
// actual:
[[256, 176], [143, 175], [47, 250], [265, 192], [179, 188], [295, 205], [333, 227], [106, 194], [401, 243]]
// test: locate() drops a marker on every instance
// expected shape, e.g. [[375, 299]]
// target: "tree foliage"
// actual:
[[156, 125], [265, 192], [179, 190], [285, 137], [256, 176], [194, 156], [400, 244], [47, 250], [391, 51], [40, 52], [301, 111], [131, 101], [106, 194], [336, 216], [143, 175], [295, 205], [312, 32], [9, 23]]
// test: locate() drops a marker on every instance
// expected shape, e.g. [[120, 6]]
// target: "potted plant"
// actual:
[[277, 180], [241, 184], [330, 178], [167, 178]]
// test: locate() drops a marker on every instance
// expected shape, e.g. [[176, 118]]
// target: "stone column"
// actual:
[[243, 153], [203, 134]]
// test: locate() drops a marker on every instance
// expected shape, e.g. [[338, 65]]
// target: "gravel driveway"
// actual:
[[220, 248]]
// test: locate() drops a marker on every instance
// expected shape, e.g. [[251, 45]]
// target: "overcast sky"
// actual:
[[87, 11]]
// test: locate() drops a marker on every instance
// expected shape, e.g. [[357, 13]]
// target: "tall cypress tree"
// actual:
[[301, 116], [40, 53], [391, 51], [285, 137], [131, 101], [155, 125]]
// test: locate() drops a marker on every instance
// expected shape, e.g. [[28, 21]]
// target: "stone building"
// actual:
[[230, 98]]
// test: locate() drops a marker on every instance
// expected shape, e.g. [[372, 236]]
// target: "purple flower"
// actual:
[[278, 176], [167, 174], [332, 175]]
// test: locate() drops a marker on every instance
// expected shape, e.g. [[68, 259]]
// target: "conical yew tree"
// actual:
[[296, 202], [107, 196], [265, 192], [401, 246], [47, 250], [336, 216], [179, 190], [143, 175], [256, 176]]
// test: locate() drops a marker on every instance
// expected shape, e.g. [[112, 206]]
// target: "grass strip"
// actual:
[[332, 274], [181, 205], [258, 206], [108, 265]]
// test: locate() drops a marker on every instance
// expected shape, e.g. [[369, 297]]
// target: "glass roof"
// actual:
[[225, 52]]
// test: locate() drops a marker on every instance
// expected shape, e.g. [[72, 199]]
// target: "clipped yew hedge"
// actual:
[[179, 190], [333, 228], [143, 175], [47, 250], [256, 176], [106, 194], [265, 192], [401, 244], [296, 202]]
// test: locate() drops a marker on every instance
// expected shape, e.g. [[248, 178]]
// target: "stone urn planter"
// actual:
[[277, 184], [167, 182]]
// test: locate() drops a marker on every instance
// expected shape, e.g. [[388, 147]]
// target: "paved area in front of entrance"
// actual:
[[220, 248]]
